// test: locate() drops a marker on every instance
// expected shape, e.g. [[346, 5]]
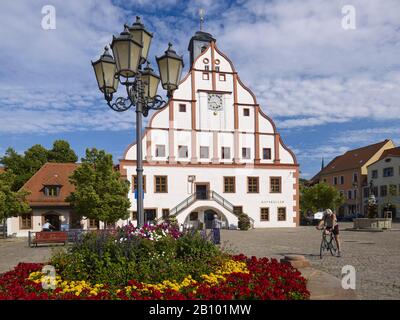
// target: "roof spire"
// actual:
[[202, 13], [322, 164]]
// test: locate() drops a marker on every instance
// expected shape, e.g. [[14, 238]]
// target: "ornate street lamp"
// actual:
[[130, 50]]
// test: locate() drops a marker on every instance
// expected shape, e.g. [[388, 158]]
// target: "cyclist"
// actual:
[[330, 222]]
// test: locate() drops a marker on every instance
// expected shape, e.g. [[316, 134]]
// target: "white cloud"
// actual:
[[367, 136], [304, 68]]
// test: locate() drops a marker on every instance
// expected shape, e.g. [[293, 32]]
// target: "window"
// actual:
[[207, 67], [225, 152], [355, 194], [160, 184], [281, 214], [222, 77], [229, 184], [135, 183], [275, 184], [383, 191], [93, 224], [335, 180], [206, 76], [246, 153], [150, 214], [264, 214], [393, 190], [355, 177], [374, 174], [160, 150], [341, 179], [182, 108], [366, 192], [252, 185], [165, 213], [204, 153], [217, 68], [237, 210], [266, 153], [194, 216], [375, 191], [349, 194], [134, 215], [388, 172], [52, 191], [182, 151], [246, 112], [25, 221]]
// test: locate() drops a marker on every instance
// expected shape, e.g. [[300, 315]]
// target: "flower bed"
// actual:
[[238, 278]]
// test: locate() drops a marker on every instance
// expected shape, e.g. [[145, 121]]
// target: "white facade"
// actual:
[[213, 113], [385, 177]]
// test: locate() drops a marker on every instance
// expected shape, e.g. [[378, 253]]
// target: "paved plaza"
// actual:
[[375, 255]]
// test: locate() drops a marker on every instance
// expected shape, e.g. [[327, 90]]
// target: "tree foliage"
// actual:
[[12, 202], [100, 193], [62, 152], [319, 197], [25, 166]]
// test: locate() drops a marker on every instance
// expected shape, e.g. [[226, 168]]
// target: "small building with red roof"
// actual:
[[48, 189]]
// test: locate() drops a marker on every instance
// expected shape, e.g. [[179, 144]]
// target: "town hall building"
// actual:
[[212, 150]]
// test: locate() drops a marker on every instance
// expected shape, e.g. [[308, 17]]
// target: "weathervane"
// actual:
[[202, 12]]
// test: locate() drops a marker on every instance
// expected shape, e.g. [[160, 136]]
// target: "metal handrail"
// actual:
[[211, 195], [222, 201], [183, 205]]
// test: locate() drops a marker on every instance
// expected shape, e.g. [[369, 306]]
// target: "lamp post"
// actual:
[[129, 52], [355, 187]]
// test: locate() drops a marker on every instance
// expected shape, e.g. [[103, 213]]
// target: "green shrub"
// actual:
[[105, 258], [244, 222]]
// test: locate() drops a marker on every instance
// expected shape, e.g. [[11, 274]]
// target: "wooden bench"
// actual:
[[50, 237]]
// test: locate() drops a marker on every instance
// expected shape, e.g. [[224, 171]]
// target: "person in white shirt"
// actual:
[[47, 226], [216, 227]]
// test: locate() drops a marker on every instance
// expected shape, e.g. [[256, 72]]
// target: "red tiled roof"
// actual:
[[390, 152], [50, 174], [2, 169], [394, 152], [351, 159]]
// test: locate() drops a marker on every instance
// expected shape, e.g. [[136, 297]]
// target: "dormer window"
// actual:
[[51, 191]]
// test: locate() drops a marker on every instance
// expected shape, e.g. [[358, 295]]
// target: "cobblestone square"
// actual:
[[375, 255]]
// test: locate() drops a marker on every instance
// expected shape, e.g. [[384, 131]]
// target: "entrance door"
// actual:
[[150, 215], [201, 191], [54, 220], [208, 218]]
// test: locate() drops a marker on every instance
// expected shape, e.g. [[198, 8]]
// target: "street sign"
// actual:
[[136, 194]]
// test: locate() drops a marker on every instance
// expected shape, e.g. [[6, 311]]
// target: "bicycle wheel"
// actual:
[[322, 248], [332, 245]]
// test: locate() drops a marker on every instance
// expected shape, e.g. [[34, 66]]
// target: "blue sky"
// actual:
[[327, 89]]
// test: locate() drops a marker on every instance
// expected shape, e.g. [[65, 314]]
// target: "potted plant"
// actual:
[[244, 222]]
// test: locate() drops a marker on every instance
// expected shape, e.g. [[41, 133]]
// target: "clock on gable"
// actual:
[[215, 102]]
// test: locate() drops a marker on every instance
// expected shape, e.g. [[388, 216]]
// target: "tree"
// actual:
[[99, 191], [35, 157], [15, 163], [62, 152], [320, 196], [12, 203], [25, 166]]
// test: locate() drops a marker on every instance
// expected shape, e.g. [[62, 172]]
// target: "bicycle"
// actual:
[[328, 243]]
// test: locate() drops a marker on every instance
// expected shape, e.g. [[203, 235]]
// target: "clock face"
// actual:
[[215, 102]]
